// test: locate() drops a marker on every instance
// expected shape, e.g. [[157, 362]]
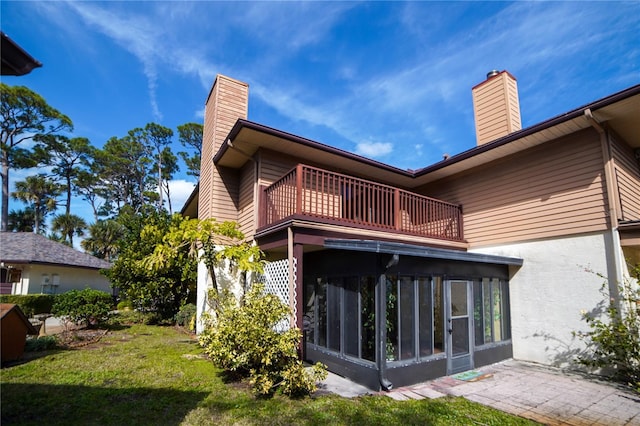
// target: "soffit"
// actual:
[[247, 141]]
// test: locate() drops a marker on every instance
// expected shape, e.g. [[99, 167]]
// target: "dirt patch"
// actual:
[[73, 339]]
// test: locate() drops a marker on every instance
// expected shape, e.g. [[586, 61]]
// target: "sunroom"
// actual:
[[392, 314]]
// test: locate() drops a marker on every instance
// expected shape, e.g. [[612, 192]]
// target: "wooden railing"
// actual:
[[315, 193]]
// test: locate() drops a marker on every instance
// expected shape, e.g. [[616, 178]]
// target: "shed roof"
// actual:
[[6, 308], [26, 247]]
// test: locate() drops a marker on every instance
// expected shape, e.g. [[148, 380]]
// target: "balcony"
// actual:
[[323, 196]]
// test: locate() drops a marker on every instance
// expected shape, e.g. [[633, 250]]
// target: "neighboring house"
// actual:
[[400, 276], [33, 264]]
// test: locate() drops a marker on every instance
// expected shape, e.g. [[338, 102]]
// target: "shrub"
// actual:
[[31, 304], [42, 343], [125, 305], [613, 343], [244, 340], [185, 315], [87, 306]]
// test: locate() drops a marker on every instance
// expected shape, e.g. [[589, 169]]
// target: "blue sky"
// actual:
[[388, 80]]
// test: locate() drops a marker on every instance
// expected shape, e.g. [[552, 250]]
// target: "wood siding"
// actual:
[[273, 166], [547, 191], [627, 176], [246, 210], [227, 102], [496, 108]]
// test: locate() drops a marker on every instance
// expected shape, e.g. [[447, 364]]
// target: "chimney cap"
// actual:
[[492, 73]]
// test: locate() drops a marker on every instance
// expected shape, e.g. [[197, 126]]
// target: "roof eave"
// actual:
[[554, 121]]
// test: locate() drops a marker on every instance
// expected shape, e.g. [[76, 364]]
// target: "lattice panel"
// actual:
[[276, 281]]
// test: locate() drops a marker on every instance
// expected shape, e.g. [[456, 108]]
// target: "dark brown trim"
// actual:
[[601, 103], [15, 60], [627, 93], [246, 124]]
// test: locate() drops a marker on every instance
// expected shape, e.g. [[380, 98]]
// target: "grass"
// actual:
[[150, 375]]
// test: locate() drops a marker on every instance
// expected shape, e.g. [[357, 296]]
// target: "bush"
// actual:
[[87, 306], [31, 304], [134, 317], [186, 315], [244, 340], [125, 305], [42, 343], [613, 343]]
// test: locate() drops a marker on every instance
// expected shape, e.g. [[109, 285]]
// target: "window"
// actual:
[[414, 317], [491, 311], [340, 316]]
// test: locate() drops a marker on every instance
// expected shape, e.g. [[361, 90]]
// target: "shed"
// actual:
[[13, 331]]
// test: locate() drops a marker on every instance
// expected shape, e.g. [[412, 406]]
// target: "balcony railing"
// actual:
[[309, 192]]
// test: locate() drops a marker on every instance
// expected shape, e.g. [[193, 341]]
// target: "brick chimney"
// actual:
[[496, 107], [227, 102]]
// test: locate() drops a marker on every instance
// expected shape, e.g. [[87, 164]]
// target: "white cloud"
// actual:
[[374, 149], [180, 190]]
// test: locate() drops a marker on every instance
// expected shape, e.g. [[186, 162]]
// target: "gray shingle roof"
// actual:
[[26, 247]]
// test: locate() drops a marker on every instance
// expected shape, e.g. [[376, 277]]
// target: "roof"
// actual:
[[15, 61], [619, 111], [26, 247], [6, 308], [419, 251]]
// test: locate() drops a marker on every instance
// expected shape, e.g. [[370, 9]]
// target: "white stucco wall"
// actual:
[[551, 289], [226, 277], [69, 279]]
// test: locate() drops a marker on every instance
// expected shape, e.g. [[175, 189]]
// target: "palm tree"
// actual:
[[22, 220], [69, 225], [104, 238], [40, 194]]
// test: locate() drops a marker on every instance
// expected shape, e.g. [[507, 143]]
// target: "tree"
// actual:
[[22, 220], [66, 155], [208, 241], [169, 167], [157, 138], [91, 188], [164, 288], [190, 136], [24, 115], [123, 167], [41, 194], [104, 236], [69, 225]]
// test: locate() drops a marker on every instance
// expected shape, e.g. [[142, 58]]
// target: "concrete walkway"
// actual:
[[544, 394]]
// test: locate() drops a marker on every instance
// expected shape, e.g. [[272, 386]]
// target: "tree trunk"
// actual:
[[5, 192]]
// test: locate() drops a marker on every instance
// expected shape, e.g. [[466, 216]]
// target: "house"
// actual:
[[34, 264], [397, 276], [14, 327]]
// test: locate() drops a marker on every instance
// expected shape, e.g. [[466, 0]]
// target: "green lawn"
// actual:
[[149, 375]]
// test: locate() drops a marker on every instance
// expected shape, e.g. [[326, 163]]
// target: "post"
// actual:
[[299, 189]]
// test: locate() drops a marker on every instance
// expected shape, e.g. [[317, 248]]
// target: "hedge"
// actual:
[[31, 304]]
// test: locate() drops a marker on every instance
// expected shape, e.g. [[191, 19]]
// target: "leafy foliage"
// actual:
[[103, 240], [167, 285], [41, 343], [87, 306], [186, 314], [41, 194], [68, 225], [30, 304], [243, 339], [209, 241], [190, 136], [613, 343], [24, 115]]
